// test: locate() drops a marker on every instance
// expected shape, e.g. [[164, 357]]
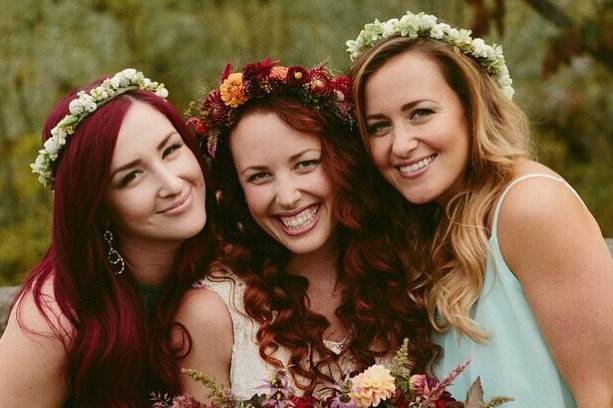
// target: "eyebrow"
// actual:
[[133, 163], [407, 106], [292, 158]]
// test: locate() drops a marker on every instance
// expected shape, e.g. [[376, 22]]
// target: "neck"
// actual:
[[150, 263], [319, 267]]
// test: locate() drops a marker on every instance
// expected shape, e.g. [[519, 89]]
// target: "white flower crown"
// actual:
[[426, 26], [84, 105]]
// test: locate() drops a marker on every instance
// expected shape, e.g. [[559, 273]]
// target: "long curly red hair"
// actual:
[[376, 306]]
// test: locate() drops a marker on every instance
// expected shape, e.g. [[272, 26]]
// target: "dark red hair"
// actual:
[[375, 303], [117, 353]]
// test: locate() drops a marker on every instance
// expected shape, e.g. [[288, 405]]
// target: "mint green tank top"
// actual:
[[515, 361]]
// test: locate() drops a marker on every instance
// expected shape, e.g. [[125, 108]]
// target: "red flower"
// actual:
[[342, 84], [320, 81], [215, 110], [226, 72], [297, 76], [256, 76], [307, 401], [197, 124]]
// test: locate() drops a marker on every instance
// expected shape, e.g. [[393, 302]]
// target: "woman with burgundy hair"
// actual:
[[90, 325], [309, 280]]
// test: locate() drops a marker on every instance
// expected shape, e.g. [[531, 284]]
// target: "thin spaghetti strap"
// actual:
[[517, 180]]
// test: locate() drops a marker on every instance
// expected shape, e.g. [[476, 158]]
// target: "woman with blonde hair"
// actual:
[[518, 276]]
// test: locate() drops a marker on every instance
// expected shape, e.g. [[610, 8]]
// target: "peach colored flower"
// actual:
[[374, 385], [278, 72], [232, 90]]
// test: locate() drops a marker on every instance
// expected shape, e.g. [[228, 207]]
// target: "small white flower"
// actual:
[[115, 82], [426, 21], [162, 92], [352, 46], [438, 30], [53, 145], [389, 27], [508, 91], [408, 26], [84, 103], [480, 48]]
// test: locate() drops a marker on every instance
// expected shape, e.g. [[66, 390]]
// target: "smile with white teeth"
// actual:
[[414, 167], [300, 220]]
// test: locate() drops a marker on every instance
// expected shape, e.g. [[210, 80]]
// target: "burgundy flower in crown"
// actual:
[[318, 88]]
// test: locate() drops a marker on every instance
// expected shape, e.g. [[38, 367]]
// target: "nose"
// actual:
[[170, 183], [404, 141], [287, 193]]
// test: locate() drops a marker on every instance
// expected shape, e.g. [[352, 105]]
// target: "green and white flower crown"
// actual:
[[424, 25], [84, 105]]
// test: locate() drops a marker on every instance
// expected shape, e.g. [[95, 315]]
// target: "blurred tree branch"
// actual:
[[589, 36]]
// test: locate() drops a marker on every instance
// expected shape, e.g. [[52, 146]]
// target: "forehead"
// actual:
[[142, 129], [412, 74], [262, 138]]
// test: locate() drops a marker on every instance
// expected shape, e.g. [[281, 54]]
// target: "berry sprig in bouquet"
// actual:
[[377, 386]]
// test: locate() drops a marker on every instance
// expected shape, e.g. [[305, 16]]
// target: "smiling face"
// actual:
[[287, 191], [156, 191], [417, 126]]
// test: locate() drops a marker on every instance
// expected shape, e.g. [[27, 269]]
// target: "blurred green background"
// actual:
[[560, 55]]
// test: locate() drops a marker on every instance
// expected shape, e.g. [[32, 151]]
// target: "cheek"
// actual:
[[257, 199], [379, 148], [127, 208]]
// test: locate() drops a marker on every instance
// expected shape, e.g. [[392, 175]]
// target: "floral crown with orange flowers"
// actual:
[[318, 88]]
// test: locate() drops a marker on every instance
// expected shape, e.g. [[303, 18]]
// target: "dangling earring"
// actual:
[[113, 256]]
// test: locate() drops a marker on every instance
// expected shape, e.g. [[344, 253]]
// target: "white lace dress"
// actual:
[[248, 370]]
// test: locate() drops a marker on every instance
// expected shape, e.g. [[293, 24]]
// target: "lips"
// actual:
[[417, 167], [300, 222], [180, 205]]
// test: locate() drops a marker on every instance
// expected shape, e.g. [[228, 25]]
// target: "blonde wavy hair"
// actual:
[[455, 243]]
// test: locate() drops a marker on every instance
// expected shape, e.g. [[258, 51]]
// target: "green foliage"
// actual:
[[50, 46]]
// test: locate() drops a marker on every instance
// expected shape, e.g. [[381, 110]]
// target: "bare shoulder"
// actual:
[[48, 320], [541, 217], [201, 306], [33, 353], [204, 333], [205, 317]]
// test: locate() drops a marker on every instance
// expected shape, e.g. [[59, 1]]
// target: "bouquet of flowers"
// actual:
[[377, 386]]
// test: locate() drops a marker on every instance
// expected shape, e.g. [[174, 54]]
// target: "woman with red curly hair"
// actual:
[[90, 326], [310, 281]]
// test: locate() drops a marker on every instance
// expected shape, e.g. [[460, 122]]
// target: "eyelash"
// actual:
[[417, 114], [132, 175], [420, 113], [172, 148], [127, 178], [376, 127], [304, 165], [308, 163]]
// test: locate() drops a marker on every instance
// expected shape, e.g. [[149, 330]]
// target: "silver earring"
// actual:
[[113, 256]]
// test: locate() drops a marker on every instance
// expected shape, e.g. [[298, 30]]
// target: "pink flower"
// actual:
[[279, 72], [307, 401], [185, 401]]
